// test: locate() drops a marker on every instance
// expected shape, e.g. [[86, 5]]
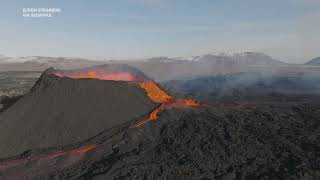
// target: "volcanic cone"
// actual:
[[66, 107]]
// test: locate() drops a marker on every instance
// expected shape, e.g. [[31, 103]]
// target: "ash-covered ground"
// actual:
[[253, 127]]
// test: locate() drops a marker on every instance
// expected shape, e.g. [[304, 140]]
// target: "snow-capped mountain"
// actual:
[[315, 61], [158, 68], [190, 58], [248, 58]]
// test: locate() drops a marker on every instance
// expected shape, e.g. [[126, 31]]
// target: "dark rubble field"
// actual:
[[222, 142], [264, 136]]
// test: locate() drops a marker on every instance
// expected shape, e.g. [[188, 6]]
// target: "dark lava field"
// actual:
[[267, 128]]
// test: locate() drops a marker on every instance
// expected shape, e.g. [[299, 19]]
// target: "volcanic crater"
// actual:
[[66, 107]]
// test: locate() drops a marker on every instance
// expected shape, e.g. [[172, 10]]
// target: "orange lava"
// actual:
[[14, 162], [154, 114], [115, 76], [175, 104], [191, 102], [83, 149], [152, 89], [155, 93]]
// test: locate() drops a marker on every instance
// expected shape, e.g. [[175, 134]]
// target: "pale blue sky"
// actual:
[[285, 29]]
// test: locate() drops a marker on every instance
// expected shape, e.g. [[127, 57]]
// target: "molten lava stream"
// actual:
[[114, 76], [14, 162], [152, 117], [166, 106], [153, 91], [156, 94]]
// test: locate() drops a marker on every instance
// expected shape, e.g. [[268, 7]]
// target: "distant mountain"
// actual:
[[159, 59], [158, 68], [248, 58], [40, 63], [315, 61], [6, 59], [165, 68]]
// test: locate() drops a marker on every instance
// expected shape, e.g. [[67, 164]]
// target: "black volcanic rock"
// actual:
[[222, 142], [213, 143], [60, 111]]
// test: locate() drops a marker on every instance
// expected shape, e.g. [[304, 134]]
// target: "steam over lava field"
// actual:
[[113, 122]]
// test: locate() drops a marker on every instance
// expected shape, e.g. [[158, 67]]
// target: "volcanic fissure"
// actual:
[[152, 89]]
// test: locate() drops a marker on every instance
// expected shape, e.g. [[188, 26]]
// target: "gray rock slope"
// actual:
[[61, 111]]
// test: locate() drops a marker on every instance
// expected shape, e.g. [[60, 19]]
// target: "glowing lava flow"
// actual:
[[156, 94], [77, 151], [176, 104], [153, 91], [115, 76]]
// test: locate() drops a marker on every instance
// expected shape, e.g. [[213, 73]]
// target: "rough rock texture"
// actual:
[[269, 143], [60, 111], [222, 142], [268, 137]]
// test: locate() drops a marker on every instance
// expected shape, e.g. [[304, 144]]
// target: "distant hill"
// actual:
[[40, 63], [165, 68], [249, 58], [315, 61], [158, 68]]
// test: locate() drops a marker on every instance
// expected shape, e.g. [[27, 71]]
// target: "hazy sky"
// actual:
[[288, 30]]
